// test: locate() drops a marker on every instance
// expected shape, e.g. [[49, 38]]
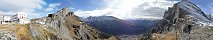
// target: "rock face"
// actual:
[[183, 21], [7, 35], [66, 26]]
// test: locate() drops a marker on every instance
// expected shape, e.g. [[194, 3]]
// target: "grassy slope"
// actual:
[[21, 31]]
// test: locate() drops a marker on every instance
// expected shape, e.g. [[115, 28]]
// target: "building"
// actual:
[[6, 19], [1, 18], [20, 17]]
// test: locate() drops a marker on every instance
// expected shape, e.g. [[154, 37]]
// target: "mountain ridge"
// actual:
[[133, 27], [183, 21]]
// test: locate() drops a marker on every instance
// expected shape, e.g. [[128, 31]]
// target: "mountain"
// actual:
[[62, 25], [116, 26], [111, 25], [145, 24], [183, 21]]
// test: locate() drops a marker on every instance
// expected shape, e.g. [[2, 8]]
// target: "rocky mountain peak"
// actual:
[[181, 9], [62, 25], [184, 18], [66, 25], [65, 10]]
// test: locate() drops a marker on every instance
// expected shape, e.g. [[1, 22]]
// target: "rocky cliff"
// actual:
[[62, 25], [183, 21]]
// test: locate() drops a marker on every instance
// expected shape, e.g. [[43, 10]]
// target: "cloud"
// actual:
[[128, 9], [33, 14], [17, 5], [151, 10], [52, 7], [14, 6], [173, 0], [48, 9], [71, 8]]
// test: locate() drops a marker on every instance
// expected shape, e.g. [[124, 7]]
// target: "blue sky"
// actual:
[[78, 4], [74, 5], [205, 5], [124, 9]]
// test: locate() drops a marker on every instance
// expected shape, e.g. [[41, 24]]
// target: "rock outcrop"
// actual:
[[62, 25], [7, 35], [66, 26], [183, 21]]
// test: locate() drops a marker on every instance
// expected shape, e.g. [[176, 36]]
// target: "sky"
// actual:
[[123, 9]]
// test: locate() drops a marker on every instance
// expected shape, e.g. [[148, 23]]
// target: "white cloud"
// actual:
[[14, 6], [71, 8], [52, 7], [48, 9], [33, 14], [17, 5], [126, 9]]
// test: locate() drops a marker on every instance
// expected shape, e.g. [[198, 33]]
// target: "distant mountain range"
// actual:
[[116, 26]]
